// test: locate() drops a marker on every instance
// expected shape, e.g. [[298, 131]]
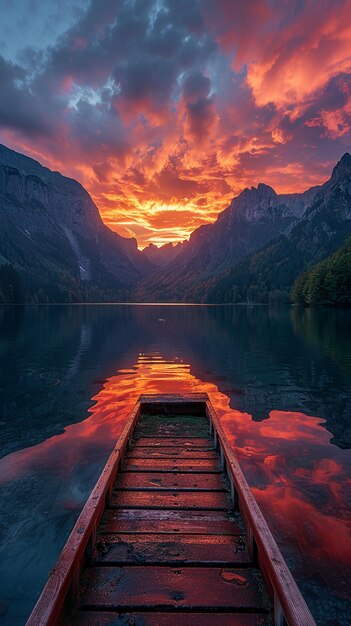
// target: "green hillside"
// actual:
[[328, 282]]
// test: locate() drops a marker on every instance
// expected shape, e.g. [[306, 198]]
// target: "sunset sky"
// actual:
[[166, 109]]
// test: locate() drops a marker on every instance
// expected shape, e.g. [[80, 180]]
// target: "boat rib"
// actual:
[[171, 534]]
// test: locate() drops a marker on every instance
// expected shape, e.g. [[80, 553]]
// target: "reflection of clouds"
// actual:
[[301, 488], [151, 374], [286, 458], [323, 539]]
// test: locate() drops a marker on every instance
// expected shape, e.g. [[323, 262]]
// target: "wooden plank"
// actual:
[[138, 536], [111, 618], [170, 549], [49, 607], [156, 499], [194, 404], [147, 399], [185, 587], [180, 421], [152, 480], [193, 442], [178, 453], [185, 419], [132, 521], [288, 600], [172, 465], [172, 430], [175, 422]]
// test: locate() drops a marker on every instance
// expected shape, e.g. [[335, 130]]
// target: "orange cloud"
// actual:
[[183, 111]]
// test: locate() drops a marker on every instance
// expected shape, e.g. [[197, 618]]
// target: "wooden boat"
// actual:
[[171, 534]]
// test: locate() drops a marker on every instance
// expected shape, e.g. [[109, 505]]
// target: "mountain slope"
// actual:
[[259, 245], [165, 254], [328, 282], [54, 246], [250, 221], [269, 274], [53, 237], [253, 218]]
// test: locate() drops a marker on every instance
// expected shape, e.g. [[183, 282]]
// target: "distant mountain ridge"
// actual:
[[165, 254], [53, 236], [258, 245], [54, 246]]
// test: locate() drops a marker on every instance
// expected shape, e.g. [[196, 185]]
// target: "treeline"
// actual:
[[11, 291], [22, 288], [328, 282]]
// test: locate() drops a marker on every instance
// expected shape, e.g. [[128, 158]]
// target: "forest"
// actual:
[[327, 282]]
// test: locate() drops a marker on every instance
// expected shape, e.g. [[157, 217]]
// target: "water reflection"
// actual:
[[71, 375]]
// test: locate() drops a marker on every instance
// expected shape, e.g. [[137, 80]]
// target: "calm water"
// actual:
[[280, 380]]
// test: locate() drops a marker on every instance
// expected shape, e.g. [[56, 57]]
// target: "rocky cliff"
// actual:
[[53, 236], [263, 238], [54, 246], [268, 274]]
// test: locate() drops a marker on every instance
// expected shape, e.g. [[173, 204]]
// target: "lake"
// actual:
[[279, 378]]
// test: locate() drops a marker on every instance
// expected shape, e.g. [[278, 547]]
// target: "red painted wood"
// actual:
[[172, 464], [131, 521], [174, 430], [144, 534], [190, 442], [277, 574], [175, 453], [176, 423], [170, 500], [172, 548], [49, 608], [100, 618], [185, 418], [159, 480], [183, 587]]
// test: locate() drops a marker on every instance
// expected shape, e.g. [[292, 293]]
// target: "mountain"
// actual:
[[165, 254], [54, 242], [258, 245], [268, 274], [250, 221], [54, 246], [328, 282], [253, 218]]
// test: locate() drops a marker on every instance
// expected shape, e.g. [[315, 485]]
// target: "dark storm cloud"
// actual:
[[19, 107], [201, 116], [130, 54], [94, 127], [146, 81], [196, 86]]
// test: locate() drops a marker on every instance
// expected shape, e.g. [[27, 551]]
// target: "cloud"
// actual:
[[290, 49], [178, 105], [19, 107], [196, 86]]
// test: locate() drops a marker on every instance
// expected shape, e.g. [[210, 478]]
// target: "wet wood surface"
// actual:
[[147, 587], [173, 464], [112, 618], [161, 480], [174, 442], [170, 538], [160, 540], [175, 549], [141, 452], [176, 499], [169, 522]]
